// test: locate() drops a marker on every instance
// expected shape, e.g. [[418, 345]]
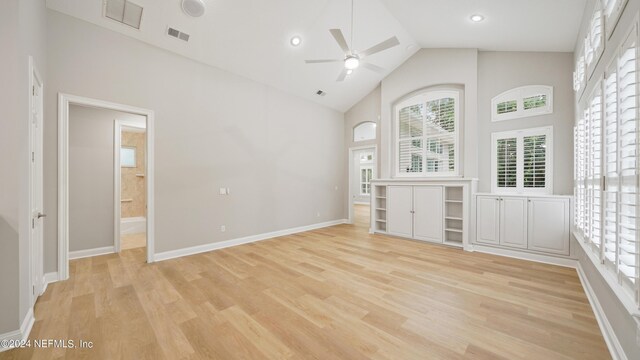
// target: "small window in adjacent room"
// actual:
[[128, 156], [522, 102], [522, 161], [364, 131], [366, 172]]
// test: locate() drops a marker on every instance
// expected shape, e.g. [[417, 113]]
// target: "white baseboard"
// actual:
[[48, 279], [617, 353], [20, 334], [360, 203], [240, 241], [91, 252], [546, 259]]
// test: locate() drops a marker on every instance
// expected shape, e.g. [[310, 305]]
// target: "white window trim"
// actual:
[[520, 135], [611, 19], [375, 130], [519, 94], [421, 98]]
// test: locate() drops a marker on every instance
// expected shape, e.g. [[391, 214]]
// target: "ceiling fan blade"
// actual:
[[337, 34], [322, 61], [342, 75], [387, 44], [372, 67]]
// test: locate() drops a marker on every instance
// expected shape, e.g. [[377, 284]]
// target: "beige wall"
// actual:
[[502, 71], [133, 183], [212, 129], [621, 321]]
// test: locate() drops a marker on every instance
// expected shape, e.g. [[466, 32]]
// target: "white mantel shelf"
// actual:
[[524, 195], [423, 180]]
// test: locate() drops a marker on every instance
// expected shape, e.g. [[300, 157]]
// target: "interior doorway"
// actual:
[[130, 184], [85, 149], [362, 169]]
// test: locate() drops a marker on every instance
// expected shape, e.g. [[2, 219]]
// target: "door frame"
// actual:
[[352, 150], [117, 178], [64, 101], [36, 253]]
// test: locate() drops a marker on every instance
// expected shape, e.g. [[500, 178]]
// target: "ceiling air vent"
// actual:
[[124, 11], [321, 93], [178, 34]]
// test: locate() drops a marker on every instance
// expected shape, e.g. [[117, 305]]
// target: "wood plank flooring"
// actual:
[[333, 293]]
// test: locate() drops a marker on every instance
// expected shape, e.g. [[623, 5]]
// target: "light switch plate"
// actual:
[[223, 228], [223, 191]]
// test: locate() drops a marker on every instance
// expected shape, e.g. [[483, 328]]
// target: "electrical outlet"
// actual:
[[223, 191], [223, 228]]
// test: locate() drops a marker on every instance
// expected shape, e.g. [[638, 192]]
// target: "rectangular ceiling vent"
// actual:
[[178, 34], [321, 93], [124, 11]]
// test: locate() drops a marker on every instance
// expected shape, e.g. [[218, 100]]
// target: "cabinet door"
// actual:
[[488, 220], [513, 222], [548, 225], [427, 218], [399, 207]]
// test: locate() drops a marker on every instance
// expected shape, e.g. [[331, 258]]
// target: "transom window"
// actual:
[[364, 131], [522, 102], [522, 161], [428, 133]]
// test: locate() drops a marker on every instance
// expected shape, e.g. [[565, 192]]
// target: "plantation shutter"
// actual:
[[440, 130], [580, 158], [610, 230], [594, 171], [628, 153], [595, 39], [535, 159], [507, 163], [410, 124]]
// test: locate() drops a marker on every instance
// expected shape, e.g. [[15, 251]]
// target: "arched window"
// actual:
[[364, 131], [427, 133]]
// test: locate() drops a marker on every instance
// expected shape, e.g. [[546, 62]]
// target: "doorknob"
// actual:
[[41, 215]]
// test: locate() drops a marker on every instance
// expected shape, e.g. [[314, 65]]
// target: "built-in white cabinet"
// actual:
[[531, 223], [429, 210], [415, 212]]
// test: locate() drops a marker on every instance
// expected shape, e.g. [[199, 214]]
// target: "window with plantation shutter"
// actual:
[[594, 43], [521, 161], [579, 75], [428, 133], [612, 10], [606, 173], [522, 102]]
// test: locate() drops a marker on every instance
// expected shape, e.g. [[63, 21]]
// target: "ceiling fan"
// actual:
[[352, 59]]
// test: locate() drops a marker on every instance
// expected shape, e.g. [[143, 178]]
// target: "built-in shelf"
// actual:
[[380, 205], [383, 209], [381, 197], [126, 200], [381, 221], [454, 201], [140, 175], [454, 230], [453, 218]]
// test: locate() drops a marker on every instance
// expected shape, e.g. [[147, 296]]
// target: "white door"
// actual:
[[488, 220], [36, 184], [513, 222], [427, 216], [548, 225], [400, 211]]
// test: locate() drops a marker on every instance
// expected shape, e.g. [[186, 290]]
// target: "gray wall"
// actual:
[[621, 321], [213, 129], [91, 142], [502, 71], [431, 67], [22, 33]]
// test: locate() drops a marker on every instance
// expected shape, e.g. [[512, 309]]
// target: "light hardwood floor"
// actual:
[[334, 293], [132, 241]]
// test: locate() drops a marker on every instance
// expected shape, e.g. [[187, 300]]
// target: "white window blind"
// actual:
[[522, 161], [428, 134], [606, 170]]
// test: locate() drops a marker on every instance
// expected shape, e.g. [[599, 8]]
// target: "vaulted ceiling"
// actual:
[[251, 37]]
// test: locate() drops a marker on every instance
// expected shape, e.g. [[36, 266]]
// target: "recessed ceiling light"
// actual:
[[296, 40], [477, 18]]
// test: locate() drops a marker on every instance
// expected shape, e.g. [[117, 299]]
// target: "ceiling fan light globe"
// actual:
[[351, 63]]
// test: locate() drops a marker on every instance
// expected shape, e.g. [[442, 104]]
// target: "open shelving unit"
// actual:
[[453, 215], [380, 208]]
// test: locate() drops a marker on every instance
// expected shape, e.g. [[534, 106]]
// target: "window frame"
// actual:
[[422, 97], [366, 182], [520, 134], [518, 95], [375, 131]]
